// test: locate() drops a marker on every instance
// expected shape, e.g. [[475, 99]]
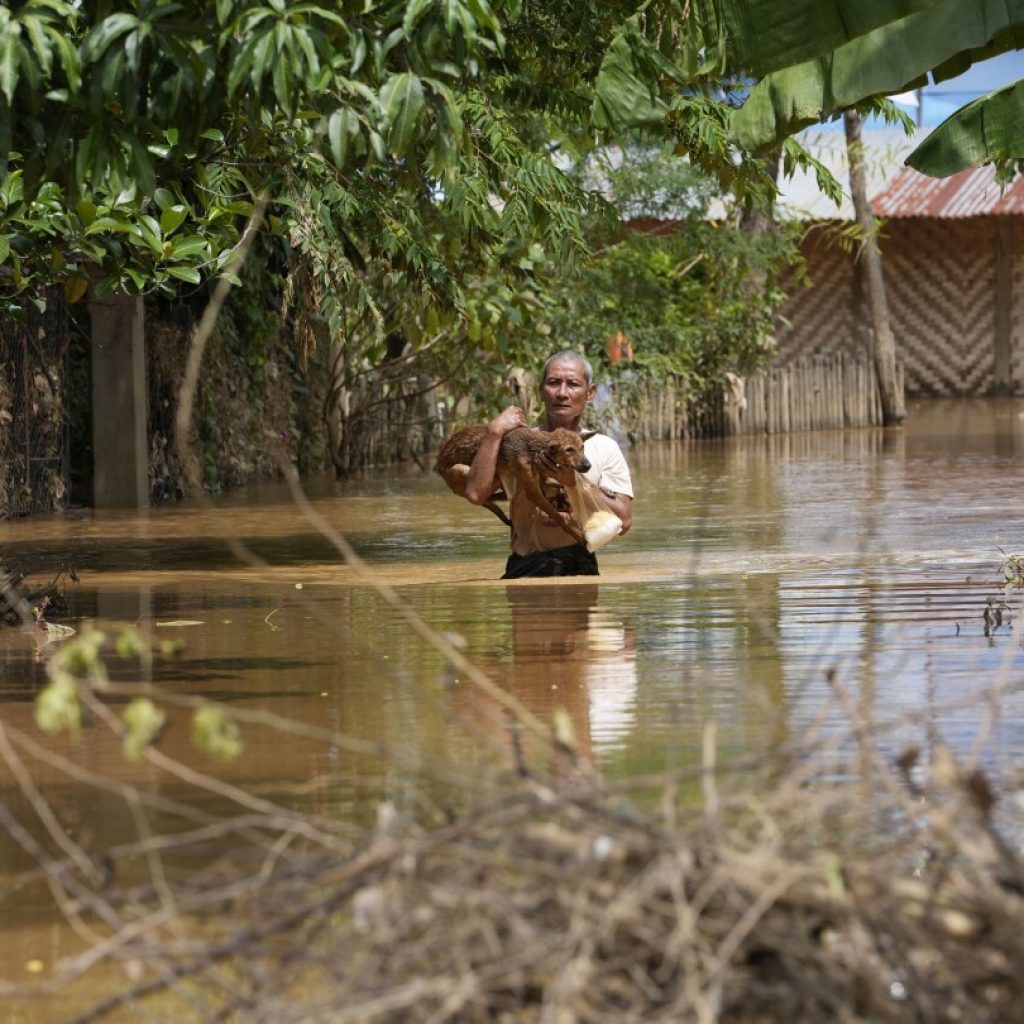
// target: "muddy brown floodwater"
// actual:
[[756, 567]]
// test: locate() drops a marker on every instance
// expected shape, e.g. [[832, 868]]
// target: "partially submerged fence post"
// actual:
[[119, 402]]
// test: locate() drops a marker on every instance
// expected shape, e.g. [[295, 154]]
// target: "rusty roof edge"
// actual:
[[969, 193]]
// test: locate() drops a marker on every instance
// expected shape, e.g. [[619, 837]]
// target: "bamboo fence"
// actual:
[[816, 393]]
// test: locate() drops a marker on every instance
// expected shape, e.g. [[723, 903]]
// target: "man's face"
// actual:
[[565, 393]]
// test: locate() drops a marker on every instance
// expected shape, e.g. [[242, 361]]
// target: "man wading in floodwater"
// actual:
[[538, 544]]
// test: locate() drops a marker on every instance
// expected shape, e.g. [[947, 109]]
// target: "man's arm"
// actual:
[[620, 504], [480, 484]]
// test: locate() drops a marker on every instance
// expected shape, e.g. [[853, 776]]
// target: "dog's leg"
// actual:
[[455, 477], [497, 511], [535, 492]]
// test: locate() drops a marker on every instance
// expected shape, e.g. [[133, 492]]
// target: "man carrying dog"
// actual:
[[539, 545]]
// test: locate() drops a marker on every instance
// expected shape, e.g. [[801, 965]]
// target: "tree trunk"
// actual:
[[336, 409], [755, 221], [883, 341]]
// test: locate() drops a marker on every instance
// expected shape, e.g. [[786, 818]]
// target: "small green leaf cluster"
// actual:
[[143, 722], [77, 670], [75, 664], [216, 733]]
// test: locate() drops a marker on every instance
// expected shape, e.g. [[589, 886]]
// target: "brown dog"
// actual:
[[525, 455]]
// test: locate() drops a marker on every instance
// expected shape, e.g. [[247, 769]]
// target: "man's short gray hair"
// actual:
[[569, 355]]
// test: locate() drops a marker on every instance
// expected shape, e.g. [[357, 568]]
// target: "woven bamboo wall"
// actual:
[[940, 281]]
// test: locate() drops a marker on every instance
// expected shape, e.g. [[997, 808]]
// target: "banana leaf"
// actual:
[[766, 35], [988, 129], [948, 37]]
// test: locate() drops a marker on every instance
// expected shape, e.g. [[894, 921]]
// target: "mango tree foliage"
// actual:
[[88, 91], [108, 103], [135, 135]]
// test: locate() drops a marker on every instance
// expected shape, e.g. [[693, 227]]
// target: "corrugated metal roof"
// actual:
[[970, 193]]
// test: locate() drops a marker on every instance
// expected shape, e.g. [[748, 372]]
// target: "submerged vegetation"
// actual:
[[536, 890]]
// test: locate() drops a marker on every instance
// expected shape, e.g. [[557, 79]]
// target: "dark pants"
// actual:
[[574, 560]]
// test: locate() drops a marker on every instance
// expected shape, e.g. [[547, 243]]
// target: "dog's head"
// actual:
[[565, 448]]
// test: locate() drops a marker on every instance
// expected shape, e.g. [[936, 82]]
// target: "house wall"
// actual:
[[941, 284]]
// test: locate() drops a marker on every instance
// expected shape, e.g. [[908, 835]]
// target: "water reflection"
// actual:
[[569, 653]]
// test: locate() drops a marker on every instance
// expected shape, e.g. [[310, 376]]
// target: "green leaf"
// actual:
[[37, 36], [75, 288], [377, 147], [142, 166], [150, 227], [107, 286], [192, 245], [138, 279], [86, 211], [58, 707], [341, 126], [263, 57], [284, 82], [358, 53], [106, 32], [185, 274], [164, 198], [171, 219], [624, 92], [10, 52], [305, 43], [764, 35], [401, 99], [114, 224], [67, 52], [413, 13]]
